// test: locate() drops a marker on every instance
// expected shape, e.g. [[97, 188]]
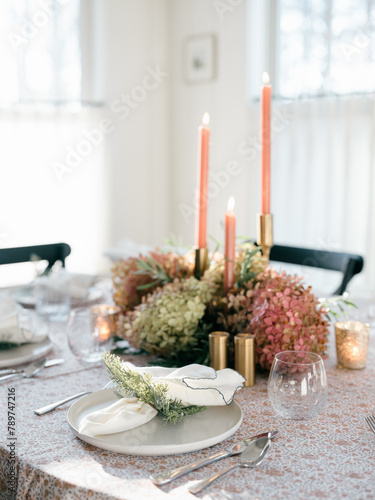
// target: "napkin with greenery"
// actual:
[[174, 393]]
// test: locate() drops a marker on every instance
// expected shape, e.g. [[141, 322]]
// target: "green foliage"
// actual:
[[195, 354], [247, 272], [150, 267], [334, 307], [129, 383]]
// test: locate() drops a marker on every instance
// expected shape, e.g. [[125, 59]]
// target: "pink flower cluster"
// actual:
[[127, 280], [281, 313]]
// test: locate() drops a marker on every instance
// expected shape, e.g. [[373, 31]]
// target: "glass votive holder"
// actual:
[[219, 350], [352, 338], [104, 321]]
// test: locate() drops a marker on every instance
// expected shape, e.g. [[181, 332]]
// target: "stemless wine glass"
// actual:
[[85, 339], [52, 297], [297, 385]]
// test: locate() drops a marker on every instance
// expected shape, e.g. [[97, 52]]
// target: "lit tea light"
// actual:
[[352, 339], [104, 321], [103, 329]]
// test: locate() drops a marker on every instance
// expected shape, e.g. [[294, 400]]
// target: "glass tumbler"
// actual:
[[83, 338], [52, 297], [297, 385]]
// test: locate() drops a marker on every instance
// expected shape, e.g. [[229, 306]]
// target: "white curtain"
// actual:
[[53, 185], [324, 179]]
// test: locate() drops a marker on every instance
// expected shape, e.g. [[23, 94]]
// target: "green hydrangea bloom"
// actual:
[[167, 320]]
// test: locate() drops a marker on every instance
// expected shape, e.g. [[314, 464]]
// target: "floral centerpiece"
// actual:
[[168, 312]]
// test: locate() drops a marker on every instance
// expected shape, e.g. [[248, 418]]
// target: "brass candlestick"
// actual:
[[201, 262], [265, 234]]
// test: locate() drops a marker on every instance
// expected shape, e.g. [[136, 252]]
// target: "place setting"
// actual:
[[23, 335], [58, 286]]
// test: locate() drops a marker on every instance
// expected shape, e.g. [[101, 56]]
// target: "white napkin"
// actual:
[[16, 324], [192, 384]]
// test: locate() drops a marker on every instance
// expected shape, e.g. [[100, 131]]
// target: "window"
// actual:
[[317, 47], [40, 51]]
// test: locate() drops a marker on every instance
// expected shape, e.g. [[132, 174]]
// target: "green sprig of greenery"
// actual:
[[150, 267], [246, 270], [334, 306], [130, 383]]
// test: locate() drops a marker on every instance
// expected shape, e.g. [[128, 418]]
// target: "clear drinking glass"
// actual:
[[297, 385], [85, 338], [52, 297]]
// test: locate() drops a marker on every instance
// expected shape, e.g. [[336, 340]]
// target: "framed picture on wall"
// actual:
[[200, 59]]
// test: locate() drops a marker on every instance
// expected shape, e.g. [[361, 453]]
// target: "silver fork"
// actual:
[[53, 406], [371, 422]]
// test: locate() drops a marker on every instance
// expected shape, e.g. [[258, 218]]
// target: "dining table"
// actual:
[[331, 456]]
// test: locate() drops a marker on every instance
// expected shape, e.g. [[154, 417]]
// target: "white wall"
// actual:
[[135, 37], [232, 120], [152, 155]]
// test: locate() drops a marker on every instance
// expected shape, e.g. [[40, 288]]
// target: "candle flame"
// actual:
[[206, 119], [104, 332], [231, 203], [266, 78]]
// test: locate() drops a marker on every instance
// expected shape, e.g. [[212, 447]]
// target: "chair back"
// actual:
[[52, 253], [347, 263]]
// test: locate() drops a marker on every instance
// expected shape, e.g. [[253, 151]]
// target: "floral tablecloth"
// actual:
[[329, 457]]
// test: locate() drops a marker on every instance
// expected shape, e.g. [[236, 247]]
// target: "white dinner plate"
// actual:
[[24, 353], [26, 298], [157, 437]]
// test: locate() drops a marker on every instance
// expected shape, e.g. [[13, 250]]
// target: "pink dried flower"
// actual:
[[126, 280], [281, 313]]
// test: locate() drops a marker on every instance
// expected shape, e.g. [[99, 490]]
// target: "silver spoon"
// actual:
[[253, 455], [29, 371], [235, 449]]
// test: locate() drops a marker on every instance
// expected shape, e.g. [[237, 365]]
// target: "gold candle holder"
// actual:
[[104, 320], [265, 233], [244, 356], [201, 262], [352, 338], [218, 350]]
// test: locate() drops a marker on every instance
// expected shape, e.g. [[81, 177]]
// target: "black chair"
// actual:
[[52, 253], [349, 264]]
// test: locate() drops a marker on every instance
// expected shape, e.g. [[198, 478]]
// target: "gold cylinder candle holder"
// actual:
[[352, 338], [265, 233], [219, 350], [201, 262], [244, 357]]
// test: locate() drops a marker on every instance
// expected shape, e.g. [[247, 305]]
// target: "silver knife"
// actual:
[[50, 362], [235, 449]]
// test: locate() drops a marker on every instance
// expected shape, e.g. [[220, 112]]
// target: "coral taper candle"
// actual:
[[230, 245], [203, 145], [266, 145]]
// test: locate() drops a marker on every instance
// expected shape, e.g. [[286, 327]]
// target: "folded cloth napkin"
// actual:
[[16, 325], [192, 385]]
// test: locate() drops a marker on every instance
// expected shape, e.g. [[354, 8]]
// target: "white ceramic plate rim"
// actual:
[[24, 353], [26, 299], [94, 399]]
